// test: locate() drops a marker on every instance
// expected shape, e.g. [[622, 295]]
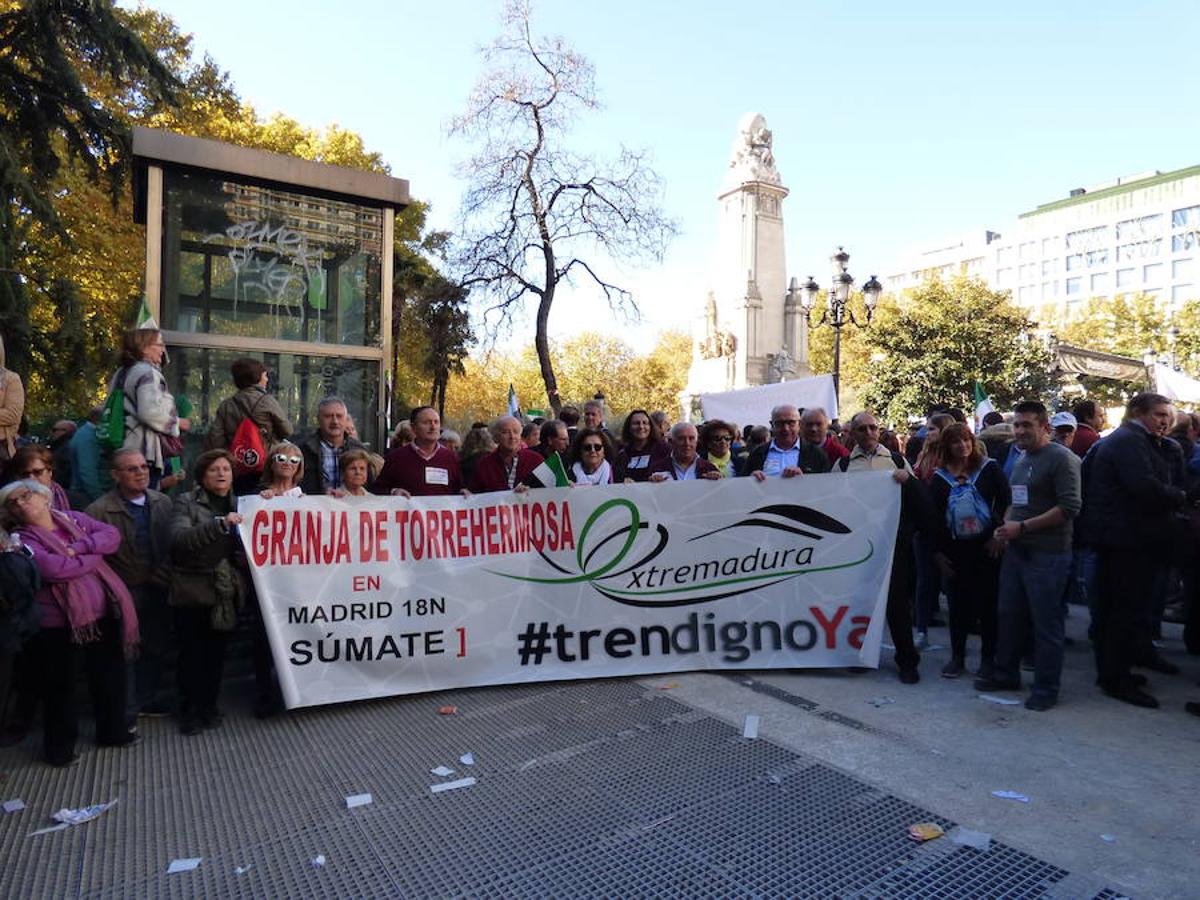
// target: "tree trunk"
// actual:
[[542, 343]]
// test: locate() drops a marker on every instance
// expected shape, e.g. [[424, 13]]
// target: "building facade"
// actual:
[[1139, 234]]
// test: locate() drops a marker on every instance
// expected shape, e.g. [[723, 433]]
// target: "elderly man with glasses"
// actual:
[[143, 517], [786, 456]]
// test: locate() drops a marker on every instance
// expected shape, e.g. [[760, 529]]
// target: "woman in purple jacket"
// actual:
[[87, 617]]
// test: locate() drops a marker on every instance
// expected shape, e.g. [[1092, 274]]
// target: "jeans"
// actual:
[[146, 685], [1031, 591]]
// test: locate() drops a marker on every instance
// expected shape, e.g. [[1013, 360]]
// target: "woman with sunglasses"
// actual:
[[37, 462], [716, 443], [87, 617], [591, 457], [283, 472]]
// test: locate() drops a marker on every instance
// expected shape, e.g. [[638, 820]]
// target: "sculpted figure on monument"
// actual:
[[752, 158]]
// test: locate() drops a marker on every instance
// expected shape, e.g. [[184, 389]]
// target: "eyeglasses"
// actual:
[[721, 439], [35, 473], [284, 458], [866, 427], [142, 468], [593, 448], [22, 498]]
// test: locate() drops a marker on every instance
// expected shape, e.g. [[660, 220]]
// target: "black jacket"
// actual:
[[1130, 497], [314, 477], [813, 460]]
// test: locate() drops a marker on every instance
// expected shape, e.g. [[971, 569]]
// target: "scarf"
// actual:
[[724, 463], [66, 593], [602, 475]]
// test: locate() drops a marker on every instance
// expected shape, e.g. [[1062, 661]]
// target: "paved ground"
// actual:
[[634, 788]]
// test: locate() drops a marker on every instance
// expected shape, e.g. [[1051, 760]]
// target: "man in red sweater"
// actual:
[[423, 468], [815, 426], [509, 464], [1089, 420]]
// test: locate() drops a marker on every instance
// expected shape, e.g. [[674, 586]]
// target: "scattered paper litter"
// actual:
[[925, 831], [467, 759], [12, 806], [965, 837], [242, 870], [1003, 701], [1108, 838], [442, 771], [68, 817], [447, 710], [750, 728], [880, 701], [358, 800], [1010, 795], [48, 830], [887, 646], [317, 861], [184, 865], [451, 785]]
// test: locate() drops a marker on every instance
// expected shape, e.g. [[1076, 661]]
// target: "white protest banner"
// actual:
[[369, 597]]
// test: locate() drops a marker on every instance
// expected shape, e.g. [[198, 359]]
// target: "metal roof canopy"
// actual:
[[153, 146], [1072, 360]]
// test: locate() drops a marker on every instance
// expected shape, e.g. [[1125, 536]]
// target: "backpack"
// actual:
[[110, 430], [249, 453], [967, 513]]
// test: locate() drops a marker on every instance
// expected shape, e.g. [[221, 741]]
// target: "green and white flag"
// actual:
[[144, 319], [551, 473], [514, 408], [983, 406]]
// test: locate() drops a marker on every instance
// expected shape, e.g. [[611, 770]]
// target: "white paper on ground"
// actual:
[[1010, 795], [965, 837], [79, 816], [880, 701], [1003, 701], [58, 827], [443, 771], [1108, 838], [242, 870], [451, 785], [12, 806], [184, 865], [467, 759], [358, 800], [317, 861], [750, 728]]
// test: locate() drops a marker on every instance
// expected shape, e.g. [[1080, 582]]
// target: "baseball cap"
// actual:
[[1061, 419]]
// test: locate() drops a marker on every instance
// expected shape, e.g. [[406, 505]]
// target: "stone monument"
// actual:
[[750, 333]]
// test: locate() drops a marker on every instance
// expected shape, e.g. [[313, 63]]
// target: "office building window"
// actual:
[[1097, 258], [1182, 218], [1025, 295], [1140, 250], [1183, 292], [1049, 290], [1181, 269], [1074, 261], [1153, 273], [1028, 271], [1099, 283], [1004, 256], [1185, 242], [1003, 277], [1126, 277], [1074, 285], [1047, 267], [1140, 228]]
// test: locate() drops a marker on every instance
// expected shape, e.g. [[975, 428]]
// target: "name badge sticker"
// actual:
[[1020, 495], [435, 475]]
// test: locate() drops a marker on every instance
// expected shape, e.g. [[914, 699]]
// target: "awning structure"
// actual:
[[1175, 385], [1078, 361]]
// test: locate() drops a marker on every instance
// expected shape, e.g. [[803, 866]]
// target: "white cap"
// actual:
[[1061, 419]]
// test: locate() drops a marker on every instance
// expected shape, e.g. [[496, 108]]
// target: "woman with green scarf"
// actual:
[[716, 443]]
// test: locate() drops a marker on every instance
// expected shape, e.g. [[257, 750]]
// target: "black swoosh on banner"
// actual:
[[806, 515]]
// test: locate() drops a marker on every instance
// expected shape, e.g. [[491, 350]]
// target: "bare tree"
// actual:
[[534, 209]]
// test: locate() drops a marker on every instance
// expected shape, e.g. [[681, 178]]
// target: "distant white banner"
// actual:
[[395, 596], [752, 406]]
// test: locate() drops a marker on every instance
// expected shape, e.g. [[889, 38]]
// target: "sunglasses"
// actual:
[[593, 448], [284, 458], [721, 439], [35, 473]]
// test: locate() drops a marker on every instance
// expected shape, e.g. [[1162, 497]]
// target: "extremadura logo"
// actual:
[[635, 562]]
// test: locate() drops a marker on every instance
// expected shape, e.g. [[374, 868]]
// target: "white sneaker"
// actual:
[[922, 640]]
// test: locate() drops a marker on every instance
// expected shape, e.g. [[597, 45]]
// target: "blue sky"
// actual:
[[896, 124]]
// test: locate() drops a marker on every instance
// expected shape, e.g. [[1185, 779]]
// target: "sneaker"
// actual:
[[922, 641], [953, 669], [987, 685], [910, 675], [1040, 702], [987, 671]]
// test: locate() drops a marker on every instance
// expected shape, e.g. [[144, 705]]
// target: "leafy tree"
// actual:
[[49, 118], [933, 347], [534, 210]]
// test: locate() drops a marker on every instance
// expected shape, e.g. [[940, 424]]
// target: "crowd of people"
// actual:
[[107, 577]]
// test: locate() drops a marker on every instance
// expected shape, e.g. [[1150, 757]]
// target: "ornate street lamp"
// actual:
[[837, 313]]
